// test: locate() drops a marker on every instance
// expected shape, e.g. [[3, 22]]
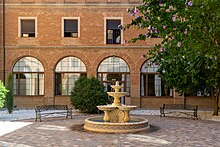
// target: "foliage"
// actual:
[[87, 94], [9, 95], [3, 92], [189, 53]]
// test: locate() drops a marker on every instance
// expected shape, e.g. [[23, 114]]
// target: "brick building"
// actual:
[[48, 44]]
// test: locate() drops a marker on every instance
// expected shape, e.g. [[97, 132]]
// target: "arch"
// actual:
[[57, 58], [123, 56], [67, 71], [113, 64], [70, 64], [28, 64], [15, 56], [114, 68], [28, 75], [147, 67]]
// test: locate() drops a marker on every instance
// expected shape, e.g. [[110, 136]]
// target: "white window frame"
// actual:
[[105, 26], [70, 18], [26, 18]]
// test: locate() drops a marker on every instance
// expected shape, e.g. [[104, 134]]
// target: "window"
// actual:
[[71, 27], [27, 27], [114, 69], [28, 77], [67, 71], [113, 32], [151, 83]]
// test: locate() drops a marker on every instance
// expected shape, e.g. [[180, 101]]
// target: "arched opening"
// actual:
[[67, 71], [114, 69], [28, 75]]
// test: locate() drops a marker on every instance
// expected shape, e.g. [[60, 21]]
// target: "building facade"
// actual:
[[48, 44]]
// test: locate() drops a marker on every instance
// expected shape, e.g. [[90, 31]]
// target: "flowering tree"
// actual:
[[189, 53]]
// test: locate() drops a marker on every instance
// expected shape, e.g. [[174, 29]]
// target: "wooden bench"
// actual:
[[46, 110], [187, 109]]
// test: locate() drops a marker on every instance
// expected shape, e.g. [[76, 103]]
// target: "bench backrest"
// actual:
[[180, 106], [51, 107]]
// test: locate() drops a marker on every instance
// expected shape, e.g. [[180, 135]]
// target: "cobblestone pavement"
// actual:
[[165, 131]]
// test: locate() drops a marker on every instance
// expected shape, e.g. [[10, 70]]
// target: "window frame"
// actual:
[[105, 29], [38, 85], [57, 90], [147, 73], [126, 74], [70, 18], [19, 26]]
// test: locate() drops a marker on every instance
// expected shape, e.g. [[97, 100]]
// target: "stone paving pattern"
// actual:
[[165, 131]]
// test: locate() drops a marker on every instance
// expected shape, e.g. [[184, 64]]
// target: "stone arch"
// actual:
[[123, 56], [18, 55], [56, 59]]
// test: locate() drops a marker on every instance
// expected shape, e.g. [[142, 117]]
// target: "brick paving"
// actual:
[[165, 131]]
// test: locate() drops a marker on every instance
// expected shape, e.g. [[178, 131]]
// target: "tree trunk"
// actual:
[[216, 101], [184, 101]]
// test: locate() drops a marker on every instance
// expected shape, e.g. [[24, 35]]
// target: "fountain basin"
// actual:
[[106, 107], [97, 124], [126, 107]]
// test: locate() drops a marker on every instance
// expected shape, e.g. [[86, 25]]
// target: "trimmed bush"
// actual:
[[9, 95], [87, 94], [3, 92]]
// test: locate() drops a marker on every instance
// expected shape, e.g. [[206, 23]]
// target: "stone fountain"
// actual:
[[116, 117]]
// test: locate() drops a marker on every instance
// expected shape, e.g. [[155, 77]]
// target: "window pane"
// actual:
[[28, 84], [28, 64], [68, 82], [27, 26], [70, 64], [113, 24], [113, 32], [70, 28], [41, 84], [113, 64]]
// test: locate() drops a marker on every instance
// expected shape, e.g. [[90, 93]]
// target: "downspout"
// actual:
[[3, 27]]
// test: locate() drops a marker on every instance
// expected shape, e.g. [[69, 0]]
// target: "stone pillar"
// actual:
[[49, 86], [91, 71], [135, 89]]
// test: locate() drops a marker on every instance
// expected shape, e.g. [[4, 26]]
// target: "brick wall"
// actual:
[[49, 47]]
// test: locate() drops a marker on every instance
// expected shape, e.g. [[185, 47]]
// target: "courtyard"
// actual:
[[60, 132]]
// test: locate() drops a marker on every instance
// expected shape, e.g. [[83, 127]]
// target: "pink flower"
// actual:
[[179, 44], [173, 37], [136, 10], [174, 18], [190, 3], [164, 27], [156, 53], [161, 49], [185, 32]]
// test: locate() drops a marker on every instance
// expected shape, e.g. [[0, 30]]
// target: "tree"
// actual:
[[9, 95], [87, 94], [3, 92], [189, 53]]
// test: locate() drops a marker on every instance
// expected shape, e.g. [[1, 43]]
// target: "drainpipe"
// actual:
[[3, 27]]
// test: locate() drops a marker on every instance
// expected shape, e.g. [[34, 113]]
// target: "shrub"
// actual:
[[87, 94], [3, 92], [9, 95]]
